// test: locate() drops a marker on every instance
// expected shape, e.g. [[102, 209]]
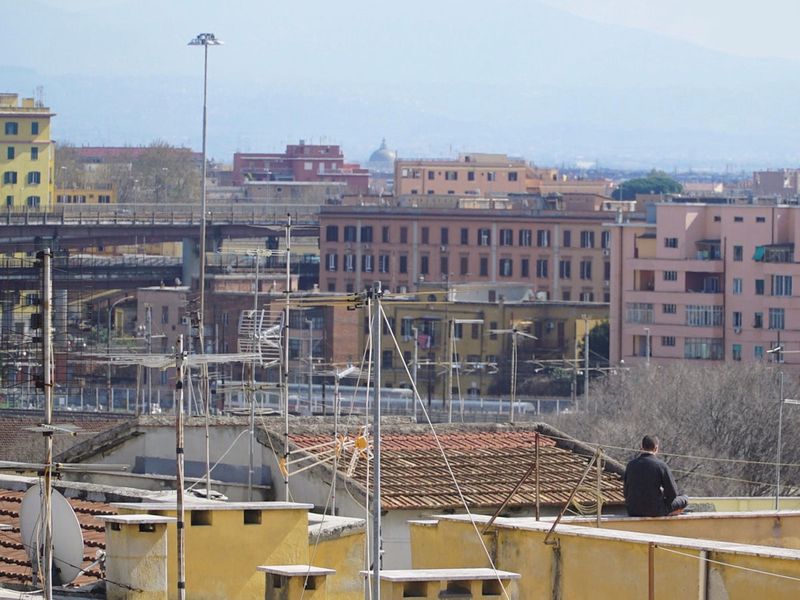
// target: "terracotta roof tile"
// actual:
[[14, 564], [487, 466]]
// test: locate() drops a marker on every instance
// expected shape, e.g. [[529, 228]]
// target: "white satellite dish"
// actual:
[[67, 535]]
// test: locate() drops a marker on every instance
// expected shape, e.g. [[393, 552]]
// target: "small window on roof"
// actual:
[[252, 517], [201, 518]]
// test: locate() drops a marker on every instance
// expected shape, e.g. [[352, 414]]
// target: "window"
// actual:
[[10, 153], [423, 265], [542, 238], [402, 265], [587, 297], [717, 218], [566, 295], [761, 220], [406, 323], [525, 267], [781, 285], [565, 268], [484, 237], [639, 312], [349, 262], [586, 269], [668, 340], [444, 236], [491, 176], [737, 319], [703, 348], [383, 263], [567, 238], [758, 352], [670, 276], [759, 287], [10, 177], [605, 239], [332, 233], [12, 128], [587, 239], [164, 315], [703, 316], [366, 234], [512, 175], [386, 359], [33, 201], [463, 265], [506, 267], [506, 237], [541, 268], [34, 128], [350, 233], [366, 263], [9, 200], [431, 175], [492, 335], [470, 175], [671, 242], [331, 262], [776, 318], [444, 266], [464, 236], [385, 234], [736, 352], [451, 175], [738, 219], [484, 266], [737, 286], [458, 330], [606, 270], [758, 320], [475, 334], [104, 199], [738, 253], [525, 237], [669, 309]]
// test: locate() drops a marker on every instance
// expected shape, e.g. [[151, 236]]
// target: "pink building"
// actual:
[[706, 282]]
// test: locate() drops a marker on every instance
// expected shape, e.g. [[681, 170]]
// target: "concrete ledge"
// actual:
[[442, 574], [138, 519], [295, 570], [193, 504]]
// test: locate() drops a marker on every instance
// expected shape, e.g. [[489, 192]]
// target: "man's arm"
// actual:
[[668, 483]]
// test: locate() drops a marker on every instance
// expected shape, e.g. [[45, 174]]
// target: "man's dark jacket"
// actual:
[[649, 487]]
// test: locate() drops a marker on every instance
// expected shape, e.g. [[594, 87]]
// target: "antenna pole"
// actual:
[[252, 423], [415, 332], [180, 360], [586, 364], [376, 310], [513, 372], [449, 380], [46, 256], [286, 360]]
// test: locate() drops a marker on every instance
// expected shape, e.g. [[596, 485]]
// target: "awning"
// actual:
[[759, 254]]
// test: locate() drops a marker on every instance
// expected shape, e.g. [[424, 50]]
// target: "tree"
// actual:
[[718, 425], [656, 182]]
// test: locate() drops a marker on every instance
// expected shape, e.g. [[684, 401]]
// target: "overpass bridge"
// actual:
[[72, 227]]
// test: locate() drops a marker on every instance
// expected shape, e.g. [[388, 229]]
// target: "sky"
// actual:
[[638, 83]]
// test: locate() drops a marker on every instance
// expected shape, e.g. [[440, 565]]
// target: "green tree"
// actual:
[[656, 182]]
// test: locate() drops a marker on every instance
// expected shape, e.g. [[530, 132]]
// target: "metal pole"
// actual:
[[286, 361], [415, 333], [449, 380], [310, 323], [149, 322], [513, 373], [376, 443], [108, 357], [599, 466], [778, 459], [181, 374], [647, 347], [252, 423], [335, 437], [586, 363], [47, 366], [536, 474]]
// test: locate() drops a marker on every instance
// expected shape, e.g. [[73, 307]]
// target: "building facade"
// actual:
[[470, 174], [560, 255], [27, 156], [705, 282]]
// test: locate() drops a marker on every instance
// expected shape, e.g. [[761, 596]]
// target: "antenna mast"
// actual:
[[46, 256]]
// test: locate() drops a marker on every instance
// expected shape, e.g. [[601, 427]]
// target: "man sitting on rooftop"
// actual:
[[650, 490]]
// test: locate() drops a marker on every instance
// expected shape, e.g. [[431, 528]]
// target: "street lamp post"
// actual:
[[108, 350]]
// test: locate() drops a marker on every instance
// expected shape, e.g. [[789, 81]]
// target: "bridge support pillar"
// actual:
[[191, 262]]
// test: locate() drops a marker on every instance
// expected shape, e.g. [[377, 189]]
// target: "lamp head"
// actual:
[[205, 39]]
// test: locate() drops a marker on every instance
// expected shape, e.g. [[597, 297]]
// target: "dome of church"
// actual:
[[383, 157]]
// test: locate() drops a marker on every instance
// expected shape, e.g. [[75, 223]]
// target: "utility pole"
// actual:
[[252, 421], [586, 362], [450, 371], [46, 256], [148, 317], [180, 360], [376, 314], [285, 365], [513, 373], [310, 323], [415, 333]]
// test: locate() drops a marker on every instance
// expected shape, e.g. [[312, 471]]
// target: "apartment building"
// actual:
[[27, 156], [781, 183], [705, 282], [560, 255], [301, 163]]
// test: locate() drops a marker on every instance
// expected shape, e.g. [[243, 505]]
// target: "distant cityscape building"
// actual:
[[27, 157], [300, 163], [382, 160], [782, 183], [705, 282]]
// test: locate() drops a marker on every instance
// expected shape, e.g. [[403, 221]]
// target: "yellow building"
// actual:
[[94, 195], [27, 155], [481, 341]]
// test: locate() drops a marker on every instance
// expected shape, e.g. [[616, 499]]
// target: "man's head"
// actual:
[[650, 443]]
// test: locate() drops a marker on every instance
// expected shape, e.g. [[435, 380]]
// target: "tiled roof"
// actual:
[[19, 444], [486, 464], [15, 568]]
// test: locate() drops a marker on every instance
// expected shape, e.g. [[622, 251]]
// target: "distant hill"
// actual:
[[432, 77]]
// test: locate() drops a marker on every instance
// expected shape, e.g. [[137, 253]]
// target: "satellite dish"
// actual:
[[67, 536]]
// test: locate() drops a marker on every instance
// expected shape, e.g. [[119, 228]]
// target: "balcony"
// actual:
[[709, 250], [774, 253], [704, 282]]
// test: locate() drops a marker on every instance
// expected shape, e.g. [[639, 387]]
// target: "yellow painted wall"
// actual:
[[590, 567], [221, 558], [736, 504], [346, 555]]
